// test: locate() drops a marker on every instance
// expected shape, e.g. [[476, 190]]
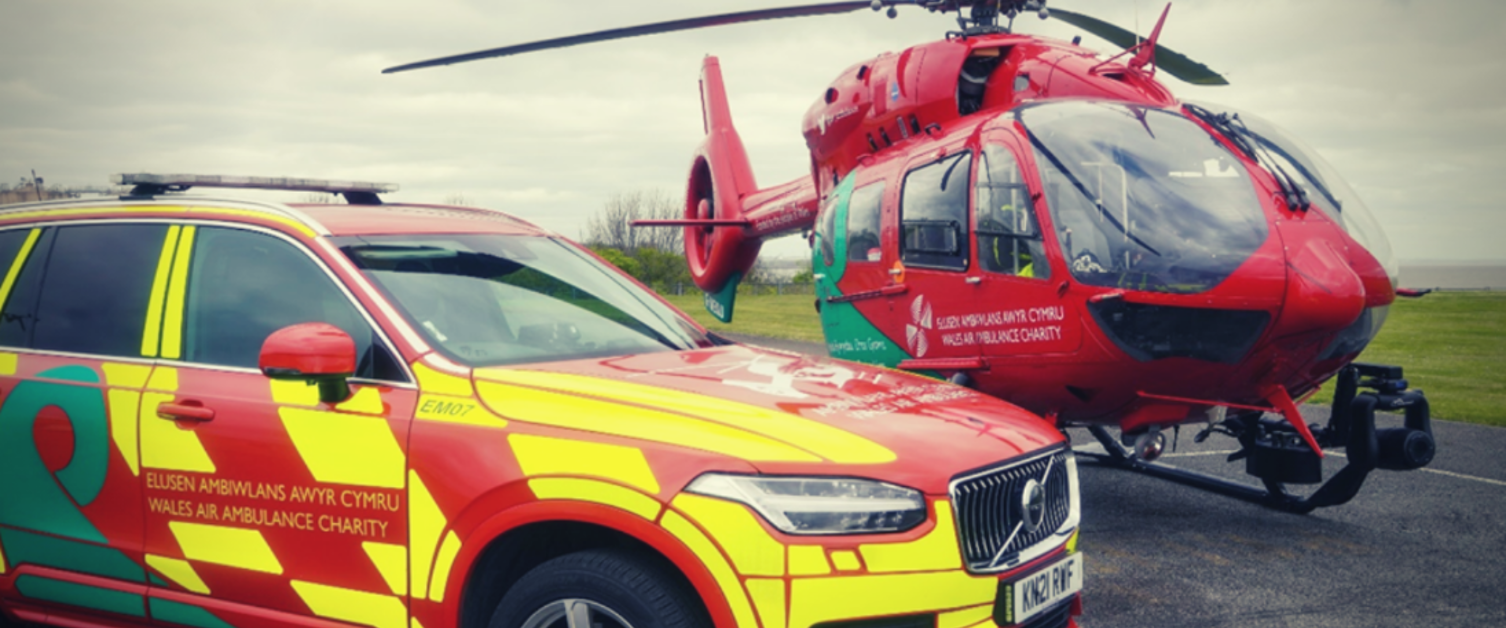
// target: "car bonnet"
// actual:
[[782, 413]]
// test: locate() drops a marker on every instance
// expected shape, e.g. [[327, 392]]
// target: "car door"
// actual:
[[76, 301], [260, 497]]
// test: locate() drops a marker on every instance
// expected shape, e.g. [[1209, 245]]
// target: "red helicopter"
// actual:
[[1028, 218]]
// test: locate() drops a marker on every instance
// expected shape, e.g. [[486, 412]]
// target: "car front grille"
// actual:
[[991, 510]]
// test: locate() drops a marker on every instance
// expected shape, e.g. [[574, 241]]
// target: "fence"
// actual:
[[757, 289]]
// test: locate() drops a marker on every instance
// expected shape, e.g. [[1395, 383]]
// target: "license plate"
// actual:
[[1040, 590]]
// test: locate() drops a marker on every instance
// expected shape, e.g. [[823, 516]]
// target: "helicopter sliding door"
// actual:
[[848, 260], [936, 262]]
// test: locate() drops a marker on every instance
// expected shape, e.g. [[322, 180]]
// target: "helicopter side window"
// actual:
[[826, 227], [863, 213], [1009, 238], [933, 213]]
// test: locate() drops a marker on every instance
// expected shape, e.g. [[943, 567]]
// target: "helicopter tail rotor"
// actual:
[[717, 245]]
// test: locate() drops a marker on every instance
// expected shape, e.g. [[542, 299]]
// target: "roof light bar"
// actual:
[[180, 182]]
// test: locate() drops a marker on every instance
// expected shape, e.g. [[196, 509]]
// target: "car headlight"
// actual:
[[814, 505]]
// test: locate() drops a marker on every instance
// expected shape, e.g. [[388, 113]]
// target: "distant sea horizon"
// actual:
[[1454, 275]]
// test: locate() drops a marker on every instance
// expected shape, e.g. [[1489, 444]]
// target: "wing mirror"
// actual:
[[317, 353]]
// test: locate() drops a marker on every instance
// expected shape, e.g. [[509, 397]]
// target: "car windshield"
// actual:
[[487, 299], [1143, 198]]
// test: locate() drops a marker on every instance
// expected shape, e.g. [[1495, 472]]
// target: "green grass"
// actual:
[[1452, 344], [791, 316], [1453, 347]]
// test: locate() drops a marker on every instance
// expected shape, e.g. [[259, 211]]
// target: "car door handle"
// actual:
[[186, 411]]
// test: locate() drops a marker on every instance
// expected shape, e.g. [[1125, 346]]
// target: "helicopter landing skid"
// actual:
[[1275, 453]]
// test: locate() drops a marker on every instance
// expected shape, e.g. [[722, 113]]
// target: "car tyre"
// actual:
[[600, 589]]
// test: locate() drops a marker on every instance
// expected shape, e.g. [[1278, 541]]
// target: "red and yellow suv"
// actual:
[[231, 414]]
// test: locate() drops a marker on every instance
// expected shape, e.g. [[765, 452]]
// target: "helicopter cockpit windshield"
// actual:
[[1142, 198], [1322, 183]]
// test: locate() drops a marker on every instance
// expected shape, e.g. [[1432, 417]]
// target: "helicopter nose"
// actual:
[[1322, 292]]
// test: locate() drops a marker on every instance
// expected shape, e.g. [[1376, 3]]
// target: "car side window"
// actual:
[[242, 286], [933, 213], [1009, 238], [82, 288]]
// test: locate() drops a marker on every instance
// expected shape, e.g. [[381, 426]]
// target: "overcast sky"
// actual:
[[1407, 98]]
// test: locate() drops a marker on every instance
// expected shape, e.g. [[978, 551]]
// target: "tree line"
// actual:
[[32, 189], [654, 256]]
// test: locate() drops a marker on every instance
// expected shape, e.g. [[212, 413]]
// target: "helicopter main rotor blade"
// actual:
[[653, 29], [1173, 62]]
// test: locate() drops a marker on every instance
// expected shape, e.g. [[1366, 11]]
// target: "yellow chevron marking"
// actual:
[[596, 491], [163, 378], [126, 375], [2, 559], [824, 440], [442, 564], [392, 562], [433, 381], [542, 455], [125, 408], [232, 547], [16, 264], [251, 213], [8, 362], [702, 547], [425, 523], [845, 560], [163, 444], [151, 334], [605, 417], [172, 315], [179, 571], [366, 400], [754, 552], [1072, 542], [286, 392], [346, 448], [963, 618], [808, 560], [816, 600], [935, 551], [356, 607], [768, 598], [413, 623]]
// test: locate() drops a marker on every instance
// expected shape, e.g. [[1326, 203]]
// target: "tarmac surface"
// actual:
[[1414, 548]]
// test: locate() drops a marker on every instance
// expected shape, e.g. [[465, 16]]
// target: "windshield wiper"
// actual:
[[1083, 189], [1253, 146]]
